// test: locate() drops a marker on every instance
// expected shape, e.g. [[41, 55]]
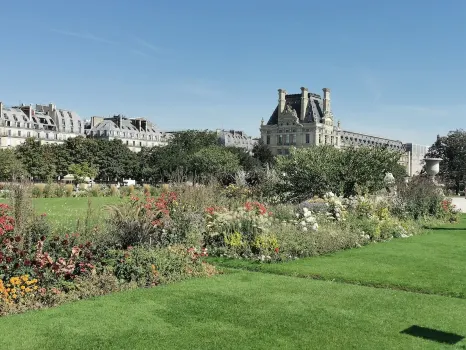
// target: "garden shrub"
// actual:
[[418, 199]]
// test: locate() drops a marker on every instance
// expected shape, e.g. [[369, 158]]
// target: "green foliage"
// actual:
[[11, 167], [214, 161], [418, 199], [81, 171], [263, 153], [452, 149], [318, 170], [38, 160]]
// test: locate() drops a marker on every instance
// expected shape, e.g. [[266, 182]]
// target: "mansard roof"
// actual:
[[118, 123], [314, 111]]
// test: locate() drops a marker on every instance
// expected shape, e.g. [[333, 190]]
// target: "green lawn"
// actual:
[[275, 310], [64, 213], [242, 310], [430, 263]]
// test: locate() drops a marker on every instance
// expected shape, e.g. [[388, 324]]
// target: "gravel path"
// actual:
[[460, 203]]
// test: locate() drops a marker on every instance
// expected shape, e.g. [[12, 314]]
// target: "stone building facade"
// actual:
[[134, 132], [46, 123], [50, 124], [235, 138], [307, 120], [415, 155]]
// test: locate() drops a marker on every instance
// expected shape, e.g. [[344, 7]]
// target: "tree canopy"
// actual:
[[452, 149]]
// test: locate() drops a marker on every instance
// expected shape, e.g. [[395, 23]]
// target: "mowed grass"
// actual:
[[433, 263], [64, 213], [242, 310]]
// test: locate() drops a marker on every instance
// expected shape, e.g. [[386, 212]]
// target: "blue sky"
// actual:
[[396, 69]]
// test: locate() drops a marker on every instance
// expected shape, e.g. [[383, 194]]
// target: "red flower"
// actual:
[[276, 250]]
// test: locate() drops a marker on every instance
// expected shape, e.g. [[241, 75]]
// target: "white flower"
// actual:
[[304, 228], [310, 219], [305, 210], [297, 215], [307, 214], [315, 226], [303, 223]]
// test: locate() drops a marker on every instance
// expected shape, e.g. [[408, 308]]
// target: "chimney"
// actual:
[[281, 101], [327, 108], [1, 109], [304, 103]]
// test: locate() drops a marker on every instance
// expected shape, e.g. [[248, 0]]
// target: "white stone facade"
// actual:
[[235, 138], [306, 120], [135, 132], [49, 124], [45, 123]]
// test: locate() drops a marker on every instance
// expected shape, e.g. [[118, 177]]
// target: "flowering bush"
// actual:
[[18, 288]]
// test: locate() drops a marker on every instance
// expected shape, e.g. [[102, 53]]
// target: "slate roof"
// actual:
[[314, 109]]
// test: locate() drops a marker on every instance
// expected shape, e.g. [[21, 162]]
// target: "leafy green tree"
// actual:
[[82, 170], [163, 162], [317, 170], [38, 160], [11, 167], [214, 161], [452, 149], [114, 160], [263, 153], [247, 162], [364, 168]]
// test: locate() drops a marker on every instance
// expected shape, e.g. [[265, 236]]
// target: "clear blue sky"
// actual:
[[395, 68]]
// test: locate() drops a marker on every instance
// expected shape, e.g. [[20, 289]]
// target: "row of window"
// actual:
[[48, 136], [288, 139], [123, 134]]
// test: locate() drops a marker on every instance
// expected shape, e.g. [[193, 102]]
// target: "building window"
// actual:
[[19, 132], [268, 139], [127, 142], [279, 151], [9, 132], [293, 139], [47, 136], [29, 134], [140, 143], [280, 139], [308, 138], [287, 139], [134, 143]]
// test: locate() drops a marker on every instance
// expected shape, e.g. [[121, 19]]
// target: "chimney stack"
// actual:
[[304, 103], [327, 108], [281, 101]]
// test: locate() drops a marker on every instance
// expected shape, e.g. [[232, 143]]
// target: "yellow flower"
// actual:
[[35, 287], [13, 290], [14, 296], [28, 290], [23, 287]]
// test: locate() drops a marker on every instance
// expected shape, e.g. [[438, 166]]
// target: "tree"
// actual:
[[246, 160], [81, 171], [38, 160], [214, 161], [364, 168], [452, 149], [314, 171], [11, 167], [263, 153]]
